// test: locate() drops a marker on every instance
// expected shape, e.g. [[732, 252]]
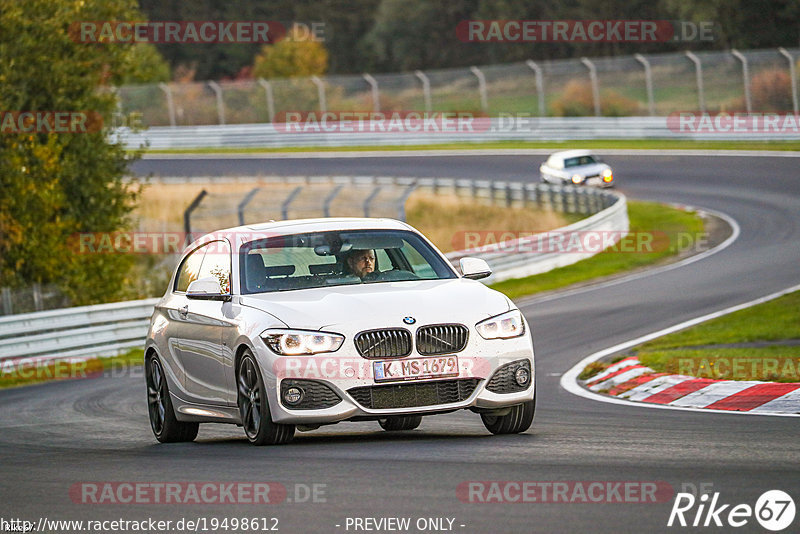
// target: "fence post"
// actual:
[[698, 71], [481, 88], [187, 215], [595, 87], [537, 72], [793, 75], [8, 307], [648, 80], [270, 98], [38, 305], [376, 95], [170, 103], [401, 203], [323, 104], [220, 104], [326, 205], [289, 199], [245, 201], [426, 89], [369, 199], [746, 76]]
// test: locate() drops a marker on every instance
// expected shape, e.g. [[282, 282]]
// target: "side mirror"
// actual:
[[206, 289], [474, 268]]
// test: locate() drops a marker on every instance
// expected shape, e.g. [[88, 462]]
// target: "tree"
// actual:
[[296, 56], [54, 186]]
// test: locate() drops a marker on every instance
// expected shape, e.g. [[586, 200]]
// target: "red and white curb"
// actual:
[[629, 379], [630, 383]]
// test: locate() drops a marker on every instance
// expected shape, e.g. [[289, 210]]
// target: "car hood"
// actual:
[[386, 304]]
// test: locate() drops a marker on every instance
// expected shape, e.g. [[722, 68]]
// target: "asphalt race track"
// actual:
[[59, 434]]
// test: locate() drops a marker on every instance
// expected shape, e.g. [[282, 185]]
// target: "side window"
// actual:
[[217, 263], [189, 270], [418, 263], [382, 261]]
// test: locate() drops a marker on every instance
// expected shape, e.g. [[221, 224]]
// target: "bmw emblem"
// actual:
[[409, 320]]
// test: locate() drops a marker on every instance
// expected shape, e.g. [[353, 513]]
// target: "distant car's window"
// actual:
[[577, 162], [217, 263], [189, 270], [319, 259]]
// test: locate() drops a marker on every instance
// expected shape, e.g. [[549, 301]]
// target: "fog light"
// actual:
[[522, 376], [577, 179], [293, 395]]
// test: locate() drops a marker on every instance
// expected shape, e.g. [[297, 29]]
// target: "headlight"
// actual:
[[577, 178], [506, 325], [608, 175], [296, 342]]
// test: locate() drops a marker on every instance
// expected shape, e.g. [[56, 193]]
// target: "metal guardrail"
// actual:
[[84, 332], [269, 135]]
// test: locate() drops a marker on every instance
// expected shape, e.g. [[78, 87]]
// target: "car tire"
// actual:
[[516, 421], [165, 426], [400, 422], [254, 406]]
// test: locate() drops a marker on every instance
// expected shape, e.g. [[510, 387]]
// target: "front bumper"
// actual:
[[350, 377]]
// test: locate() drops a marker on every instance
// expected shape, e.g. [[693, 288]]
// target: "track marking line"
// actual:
[[569, 381]]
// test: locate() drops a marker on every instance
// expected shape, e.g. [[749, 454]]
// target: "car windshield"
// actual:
[[325, 259], [578, 161]]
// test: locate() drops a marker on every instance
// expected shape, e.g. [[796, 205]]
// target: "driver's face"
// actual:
[[362, 263]]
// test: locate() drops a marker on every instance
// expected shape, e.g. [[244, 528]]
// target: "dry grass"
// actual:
[[443, 218]]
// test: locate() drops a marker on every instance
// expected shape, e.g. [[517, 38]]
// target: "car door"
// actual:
[[198, 327]]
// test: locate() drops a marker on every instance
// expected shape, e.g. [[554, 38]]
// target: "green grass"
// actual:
[[701, 350], [622, 144], [774, 320], [644, 217], [26, 375]]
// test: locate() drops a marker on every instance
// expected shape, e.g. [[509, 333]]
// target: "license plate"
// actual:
[[415, 368]]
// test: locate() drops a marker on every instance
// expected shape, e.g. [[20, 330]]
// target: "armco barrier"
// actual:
[[269, 135], [107, 329]]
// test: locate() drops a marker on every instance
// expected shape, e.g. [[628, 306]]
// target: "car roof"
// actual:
[[564, 154], [241, 234]]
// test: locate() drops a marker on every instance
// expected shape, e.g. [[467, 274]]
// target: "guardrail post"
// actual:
[[170, 103], [595, 86], [537, 72], [369, 199], [8, 307], [323, 104], [793, 75], [376, 95], [426, 89], [509, 197], [481, 88], [326, 205], [698, 72], [648, 80], [401, 203], [270, 98], [288, 200], [187, 215], [746, 76], [245, 201]]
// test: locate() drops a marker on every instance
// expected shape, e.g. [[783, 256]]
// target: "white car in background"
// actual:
[[277, 327], [576, 167]]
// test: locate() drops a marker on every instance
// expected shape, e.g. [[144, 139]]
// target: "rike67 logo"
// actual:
[[774, 510]]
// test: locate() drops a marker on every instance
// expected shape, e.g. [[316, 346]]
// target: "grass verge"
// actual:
[[681, 228], [14, 374], [621, 144], [759, 343]]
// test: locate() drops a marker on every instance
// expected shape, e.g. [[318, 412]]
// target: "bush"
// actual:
[[771, 91], [577, 101]]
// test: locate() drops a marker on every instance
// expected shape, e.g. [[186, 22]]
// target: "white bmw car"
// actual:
[[576, 167], [297, 324]]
